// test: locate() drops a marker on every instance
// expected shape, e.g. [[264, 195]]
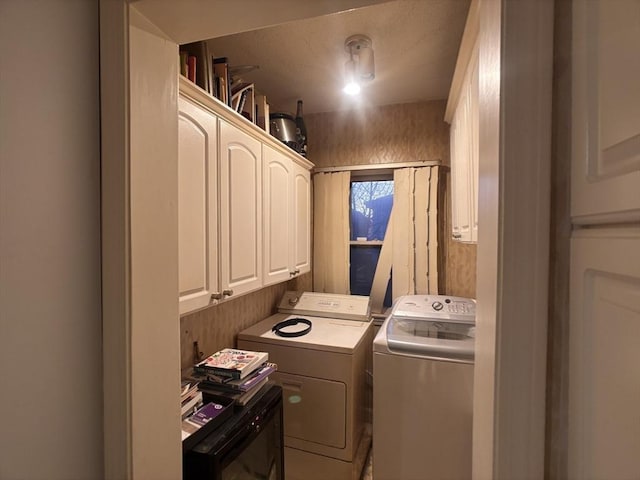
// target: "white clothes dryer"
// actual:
[[322, 374], [423, 389]]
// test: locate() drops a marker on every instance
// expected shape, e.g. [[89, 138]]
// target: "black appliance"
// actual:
[[248, 446]]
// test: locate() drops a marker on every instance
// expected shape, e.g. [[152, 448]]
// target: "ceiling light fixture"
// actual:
[[360, 66]]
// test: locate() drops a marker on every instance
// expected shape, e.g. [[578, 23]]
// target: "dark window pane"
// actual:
[[364, 260]]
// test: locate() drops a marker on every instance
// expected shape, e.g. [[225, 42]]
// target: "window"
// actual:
[[370, 206]]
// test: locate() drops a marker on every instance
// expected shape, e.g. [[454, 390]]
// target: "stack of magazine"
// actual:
[[234, 374], [199, 417], [203, 421], [190, 397]]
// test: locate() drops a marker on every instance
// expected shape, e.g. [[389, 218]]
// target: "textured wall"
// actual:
[[390, 134], [460, 258], [394, 134], [216, 327]]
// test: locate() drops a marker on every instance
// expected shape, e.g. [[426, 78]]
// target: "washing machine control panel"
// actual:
[[435, 306]]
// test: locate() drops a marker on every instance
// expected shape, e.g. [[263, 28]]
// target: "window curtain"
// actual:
[[415, 231], [331, 232]]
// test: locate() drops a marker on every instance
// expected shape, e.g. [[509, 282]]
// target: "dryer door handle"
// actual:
[[295, 386]]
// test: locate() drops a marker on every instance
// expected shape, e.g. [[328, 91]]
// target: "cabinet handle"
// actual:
[[227, 293], [292, 274], [216, 296], [457, 235]]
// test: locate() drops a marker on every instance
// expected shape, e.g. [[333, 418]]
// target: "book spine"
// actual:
[[243, 100], [213, 385], [221, 69], [191, 68], [220, 372], [183, 63], [262, 373], [192, 404]]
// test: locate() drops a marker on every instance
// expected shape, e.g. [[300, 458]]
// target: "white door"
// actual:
[[197, 205], [278, 228], [604, 374], [240, 211], [606, 112]]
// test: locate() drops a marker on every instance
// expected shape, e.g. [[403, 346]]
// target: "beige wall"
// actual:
[[50, 324], [216, 327], [394, 134]]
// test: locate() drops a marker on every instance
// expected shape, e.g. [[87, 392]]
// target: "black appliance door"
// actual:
[[249, 446], [259, 457]]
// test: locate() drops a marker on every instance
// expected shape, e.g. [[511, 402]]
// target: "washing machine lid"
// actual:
[[329, 305], [440, 307], [427, 338], [327, 334]]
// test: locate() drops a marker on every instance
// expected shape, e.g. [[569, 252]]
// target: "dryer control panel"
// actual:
[[329, 305]]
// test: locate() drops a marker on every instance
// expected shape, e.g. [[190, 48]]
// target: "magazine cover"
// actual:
[[232, 362]]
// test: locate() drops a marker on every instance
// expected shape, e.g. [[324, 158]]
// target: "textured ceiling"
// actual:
[[415, 43]]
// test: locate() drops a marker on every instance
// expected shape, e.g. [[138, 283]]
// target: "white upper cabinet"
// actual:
[[462, 114], [197, 205], [464, 154], [240, 211], [301, 219], [287, 228], [278, 216], [244, 204], [606, 112]]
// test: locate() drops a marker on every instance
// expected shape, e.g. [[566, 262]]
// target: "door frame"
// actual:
[[515, 97], [513, 242]]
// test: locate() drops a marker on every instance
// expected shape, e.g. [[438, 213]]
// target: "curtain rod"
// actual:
[[380, 166]]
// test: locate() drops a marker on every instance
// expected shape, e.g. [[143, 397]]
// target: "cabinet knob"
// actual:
[[216, 296], [296, 271], [227, 293]]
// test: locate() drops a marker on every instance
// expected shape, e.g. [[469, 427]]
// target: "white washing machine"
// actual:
[[423, 389], [322, 374]]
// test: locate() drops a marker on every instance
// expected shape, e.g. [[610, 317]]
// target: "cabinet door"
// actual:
[[606, 112], [465, 148], [197, 206], [301, 220], [461, 169], [240, 211], [474, 155], [278, 228]]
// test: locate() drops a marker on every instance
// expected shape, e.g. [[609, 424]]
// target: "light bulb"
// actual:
[[352, 88]]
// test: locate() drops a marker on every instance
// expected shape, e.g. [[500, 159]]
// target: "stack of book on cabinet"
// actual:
[[234, 374]]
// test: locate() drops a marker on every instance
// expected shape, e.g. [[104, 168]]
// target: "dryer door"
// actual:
[[314, 409]]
